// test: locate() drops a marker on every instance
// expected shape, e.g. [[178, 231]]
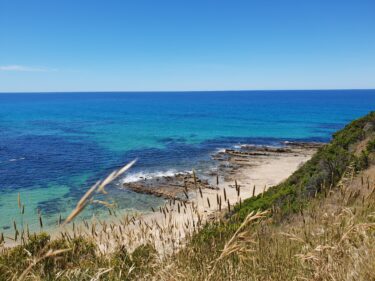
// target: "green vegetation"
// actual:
[[319, 226], [323, 171], [80, 260], [371, 146]]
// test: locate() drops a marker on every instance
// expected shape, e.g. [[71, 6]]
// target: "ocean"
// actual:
[[53, 146]]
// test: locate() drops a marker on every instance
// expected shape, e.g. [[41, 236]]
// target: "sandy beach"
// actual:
[[192, 201]]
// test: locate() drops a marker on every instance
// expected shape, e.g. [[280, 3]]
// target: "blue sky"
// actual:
[[76, 45]]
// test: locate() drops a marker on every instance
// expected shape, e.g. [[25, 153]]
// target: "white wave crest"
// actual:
[[149, 175]]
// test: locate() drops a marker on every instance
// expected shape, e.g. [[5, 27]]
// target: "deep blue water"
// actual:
[[53, 146]]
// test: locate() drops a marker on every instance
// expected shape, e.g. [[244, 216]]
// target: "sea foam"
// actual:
[[149, 175]]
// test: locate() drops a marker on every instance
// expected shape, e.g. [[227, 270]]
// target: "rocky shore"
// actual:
[[232, 165], [175, 187]]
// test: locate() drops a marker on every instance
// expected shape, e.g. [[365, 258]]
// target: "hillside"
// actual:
[[319, 224]]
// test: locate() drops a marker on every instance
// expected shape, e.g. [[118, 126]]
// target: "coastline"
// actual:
[[241, 173]]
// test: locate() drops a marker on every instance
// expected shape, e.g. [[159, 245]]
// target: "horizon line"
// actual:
[[185, 91]]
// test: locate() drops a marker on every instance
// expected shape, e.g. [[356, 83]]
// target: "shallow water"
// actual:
[[53, 146]]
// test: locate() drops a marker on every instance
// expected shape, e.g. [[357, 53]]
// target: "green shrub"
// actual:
[[371, 146], [15, 260], [144, 255]]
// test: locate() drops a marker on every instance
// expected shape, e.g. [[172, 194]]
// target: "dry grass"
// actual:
[[333, 239]]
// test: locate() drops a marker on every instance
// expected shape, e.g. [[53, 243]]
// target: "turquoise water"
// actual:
[[53, 146]]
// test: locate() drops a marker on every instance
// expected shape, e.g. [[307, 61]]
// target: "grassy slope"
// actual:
[[322, 171], [260, 253], [315, 179]]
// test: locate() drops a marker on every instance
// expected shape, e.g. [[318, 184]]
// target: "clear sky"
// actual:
[[76, 45]]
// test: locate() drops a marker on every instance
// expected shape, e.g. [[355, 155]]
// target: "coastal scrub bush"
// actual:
[[143, 259], [143, 255], [121, 258], [81, 250], [355, 131], [37, 242]]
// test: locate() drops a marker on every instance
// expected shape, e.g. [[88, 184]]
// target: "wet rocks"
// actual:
[[169, 187], [305, 145]]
